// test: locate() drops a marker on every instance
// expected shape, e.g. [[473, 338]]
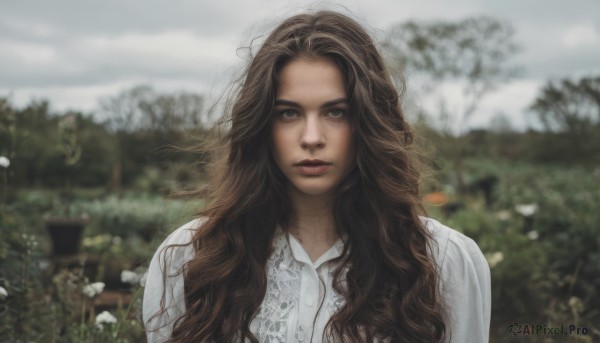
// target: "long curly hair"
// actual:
[[391, 284]]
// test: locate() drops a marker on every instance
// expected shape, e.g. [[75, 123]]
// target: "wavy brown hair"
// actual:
[[392, 283]]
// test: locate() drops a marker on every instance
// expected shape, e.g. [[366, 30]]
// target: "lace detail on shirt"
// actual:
[[283, 290], [300, 335], [335, 301]]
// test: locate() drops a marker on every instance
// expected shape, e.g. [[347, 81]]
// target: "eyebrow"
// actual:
[[284, 102]]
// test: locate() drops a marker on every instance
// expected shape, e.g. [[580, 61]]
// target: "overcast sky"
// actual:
[[74, 52]]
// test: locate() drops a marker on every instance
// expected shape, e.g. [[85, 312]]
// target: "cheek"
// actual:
[[279, 141], [347, 140]]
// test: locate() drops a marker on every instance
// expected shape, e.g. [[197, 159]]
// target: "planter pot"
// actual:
[[66, 234]]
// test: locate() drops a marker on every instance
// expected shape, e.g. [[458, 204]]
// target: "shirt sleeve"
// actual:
[[160, 316], [466, 288]]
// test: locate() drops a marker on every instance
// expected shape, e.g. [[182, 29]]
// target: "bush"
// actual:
[[137, 214], [45, 300], [544, 220]]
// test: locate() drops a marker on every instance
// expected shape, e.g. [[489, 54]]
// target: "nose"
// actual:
[[312, 133]]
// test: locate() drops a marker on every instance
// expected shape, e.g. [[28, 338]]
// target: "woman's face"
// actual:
[[312, 136]]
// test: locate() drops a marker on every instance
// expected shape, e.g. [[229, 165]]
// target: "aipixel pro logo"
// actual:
[[539, 329]]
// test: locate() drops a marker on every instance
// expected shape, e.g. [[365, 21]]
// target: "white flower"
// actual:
[[127, 276], [143, 279], [3, 293], [43, 264], [576, 304], [494, 258], [526, 210], [533, 235], [4, 162], [105, 318], [93, 289]]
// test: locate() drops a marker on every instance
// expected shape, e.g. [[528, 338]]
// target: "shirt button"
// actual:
[[309, 301]]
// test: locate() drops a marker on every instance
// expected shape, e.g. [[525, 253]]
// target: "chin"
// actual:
[[315, 192], [313, 189]]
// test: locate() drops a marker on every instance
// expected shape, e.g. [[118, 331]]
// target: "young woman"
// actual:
[[313, 229]]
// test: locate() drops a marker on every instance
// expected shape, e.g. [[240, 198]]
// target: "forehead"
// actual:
[[310, 77]]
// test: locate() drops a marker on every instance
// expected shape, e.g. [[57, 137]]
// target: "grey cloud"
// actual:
[[545, 12], [101, 74], [67, 26], [114, 16]]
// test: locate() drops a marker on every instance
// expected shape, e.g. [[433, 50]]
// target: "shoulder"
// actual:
[[184, 233], [163, 300], [462, 266], [452, 247], [173, 252], [178, 243], [465, 282]]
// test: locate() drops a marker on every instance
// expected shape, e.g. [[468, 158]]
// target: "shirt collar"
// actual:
[[284, 240]]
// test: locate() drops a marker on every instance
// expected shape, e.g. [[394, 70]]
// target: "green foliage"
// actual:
[[45, 299], [41, 153], [25, 315], [517, 262], [176, 176], [67, 129], [567, 223], [137, 214], [541, 238], [48, 148], [35, 201]]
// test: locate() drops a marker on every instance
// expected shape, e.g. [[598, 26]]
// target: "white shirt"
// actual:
[[300, 297]]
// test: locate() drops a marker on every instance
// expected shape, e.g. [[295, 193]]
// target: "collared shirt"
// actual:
[[300, 297]]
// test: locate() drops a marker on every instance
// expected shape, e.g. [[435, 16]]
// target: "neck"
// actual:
[[312, 220]]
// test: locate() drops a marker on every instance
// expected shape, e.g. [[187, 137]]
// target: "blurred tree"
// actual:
[[98, 150], [122, 112], [30, 137], [123, 117], [570, 111], [142, 109], [474, 51], [144, 122], [500, 123], [172, 112], [472, 54], [35, 141], [7, 127]]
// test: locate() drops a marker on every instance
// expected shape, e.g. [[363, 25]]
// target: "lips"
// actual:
[[313, 167], [312, 163]]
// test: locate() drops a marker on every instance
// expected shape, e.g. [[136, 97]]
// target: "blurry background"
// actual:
[[96, 97]]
